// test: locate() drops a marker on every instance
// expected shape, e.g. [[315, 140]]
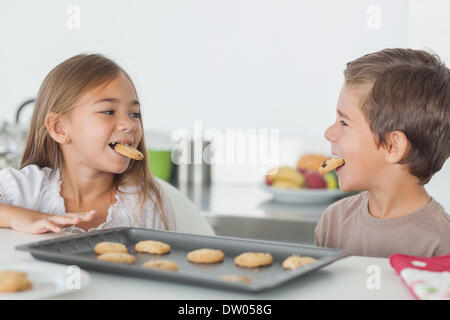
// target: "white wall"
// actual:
[[231, 64], [429, 26]]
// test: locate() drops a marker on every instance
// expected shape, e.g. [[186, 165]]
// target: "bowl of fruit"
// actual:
[[303, 183]]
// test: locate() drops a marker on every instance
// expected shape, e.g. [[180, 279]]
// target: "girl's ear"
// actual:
[[397, 146], [55, 127]]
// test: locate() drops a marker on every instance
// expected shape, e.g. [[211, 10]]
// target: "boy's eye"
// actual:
[[136, 114], [342, 122], [110, 112]]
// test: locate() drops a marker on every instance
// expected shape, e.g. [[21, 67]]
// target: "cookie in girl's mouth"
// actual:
[[127, 151]]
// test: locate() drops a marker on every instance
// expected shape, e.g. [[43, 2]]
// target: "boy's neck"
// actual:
[[397, 200]]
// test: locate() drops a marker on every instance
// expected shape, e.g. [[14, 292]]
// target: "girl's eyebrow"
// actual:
[[343, 115], [115, 100]]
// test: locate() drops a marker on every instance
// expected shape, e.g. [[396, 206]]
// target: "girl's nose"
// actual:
[[331, 133], [126, 124]]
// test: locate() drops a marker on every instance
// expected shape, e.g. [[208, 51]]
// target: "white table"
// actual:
[[344, 279]]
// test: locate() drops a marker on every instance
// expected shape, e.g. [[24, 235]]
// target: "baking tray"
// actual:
[[79, 250]]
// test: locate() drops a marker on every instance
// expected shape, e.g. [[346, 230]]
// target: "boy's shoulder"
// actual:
[[437, 220]]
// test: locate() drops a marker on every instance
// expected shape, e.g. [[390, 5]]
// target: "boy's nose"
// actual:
[[330, 133]]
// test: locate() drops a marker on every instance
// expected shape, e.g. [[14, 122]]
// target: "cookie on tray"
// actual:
[[253, 259], [236, 278], [205, 256], [13, 281], [117, 257], [162, 264], [104, 247], [153, 247], [295, 261]]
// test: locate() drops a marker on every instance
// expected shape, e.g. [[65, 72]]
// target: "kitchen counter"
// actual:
[[248, 211], [344, 279], [249, 201]]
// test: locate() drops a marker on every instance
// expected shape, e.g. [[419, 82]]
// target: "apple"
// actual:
[[268, 180], [314, 180]]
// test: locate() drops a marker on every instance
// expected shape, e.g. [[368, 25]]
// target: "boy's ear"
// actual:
[[397, 145], [55, 127]]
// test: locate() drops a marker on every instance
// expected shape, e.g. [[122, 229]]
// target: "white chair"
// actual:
[[189, 219]]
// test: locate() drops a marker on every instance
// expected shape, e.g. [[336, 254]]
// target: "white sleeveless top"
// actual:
[[36, 189]]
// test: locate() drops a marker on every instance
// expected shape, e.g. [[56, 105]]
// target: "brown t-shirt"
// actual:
[[348, 225]]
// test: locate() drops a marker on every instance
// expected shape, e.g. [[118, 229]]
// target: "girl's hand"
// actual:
[[39, 222]]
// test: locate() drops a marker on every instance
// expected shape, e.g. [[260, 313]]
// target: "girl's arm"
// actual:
[[30, 221]]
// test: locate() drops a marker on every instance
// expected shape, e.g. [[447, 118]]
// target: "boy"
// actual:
[[393, 132]]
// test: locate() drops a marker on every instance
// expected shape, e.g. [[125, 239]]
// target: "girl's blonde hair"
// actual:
[[59, 92]]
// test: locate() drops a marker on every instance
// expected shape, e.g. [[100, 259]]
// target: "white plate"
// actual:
[[305, 195], [48, 280]]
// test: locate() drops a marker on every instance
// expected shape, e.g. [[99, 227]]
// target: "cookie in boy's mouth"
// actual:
[[127, 150], [331, 164]]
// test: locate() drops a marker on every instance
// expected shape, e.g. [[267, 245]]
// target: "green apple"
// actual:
[[331, 180]]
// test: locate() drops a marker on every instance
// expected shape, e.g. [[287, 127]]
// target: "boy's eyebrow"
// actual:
[[115, 100], [343, 115]]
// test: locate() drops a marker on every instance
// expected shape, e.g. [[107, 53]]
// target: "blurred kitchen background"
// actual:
[[243, 65]]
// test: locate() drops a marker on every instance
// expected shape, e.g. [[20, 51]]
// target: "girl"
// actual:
[[70, 176]]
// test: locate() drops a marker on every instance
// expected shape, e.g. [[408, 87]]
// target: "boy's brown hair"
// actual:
[[406, 90]]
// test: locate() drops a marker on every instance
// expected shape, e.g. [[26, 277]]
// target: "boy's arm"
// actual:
[[444, 247], [320, 231]]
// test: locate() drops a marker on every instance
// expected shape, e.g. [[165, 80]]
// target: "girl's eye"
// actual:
[[111, 112], [342, 122]]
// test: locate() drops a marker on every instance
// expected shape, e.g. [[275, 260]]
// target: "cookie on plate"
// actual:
[[13, 281], [117, 257], [253, 259], [104, 247], [295, 261], [162, 264], [205, 256], [153, 247]]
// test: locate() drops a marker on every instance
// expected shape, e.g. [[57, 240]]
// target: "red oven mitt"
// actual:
[[426, 278]]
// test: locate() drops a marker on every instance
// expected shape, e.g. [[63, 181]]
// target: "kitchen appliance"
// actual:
[[13, 138]]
